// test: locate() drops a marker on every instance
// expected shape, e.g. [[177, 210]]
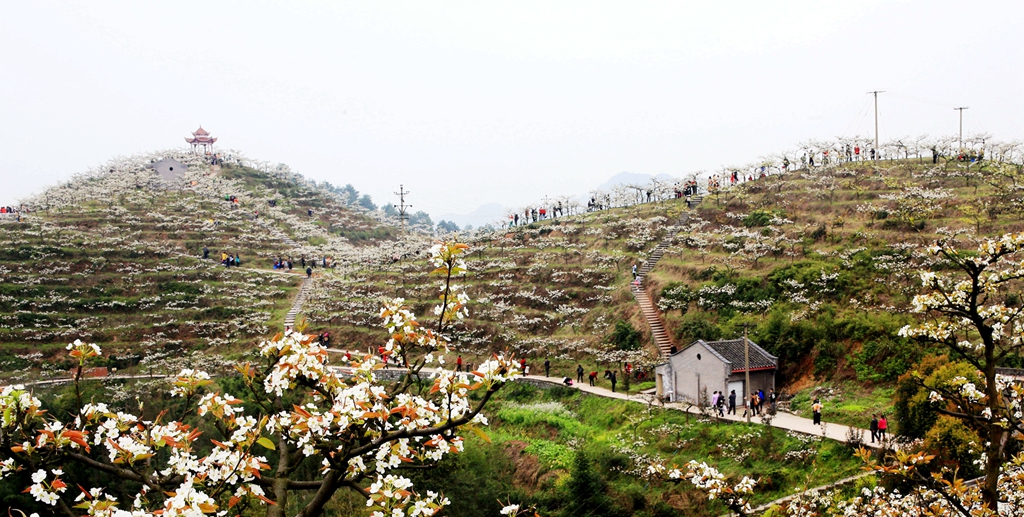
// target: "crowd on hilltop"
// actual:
[[11, 211], [810, 155], [534, 214]]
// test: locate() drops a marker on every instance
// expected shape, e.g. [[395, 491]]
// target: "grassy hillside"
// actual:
[[822, 262], [115, 257]]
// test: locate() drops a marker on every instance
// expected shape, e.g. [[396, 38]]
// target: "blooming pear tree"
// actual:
[[303, 425], [972, 307]]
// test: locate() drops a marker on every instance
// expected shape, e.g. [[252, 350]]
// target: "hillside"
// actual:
[[115, 256], [822, 262]]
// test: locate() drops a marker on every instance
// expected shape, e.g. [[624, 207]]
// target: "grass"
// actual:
[[624, 437], [846, 403]]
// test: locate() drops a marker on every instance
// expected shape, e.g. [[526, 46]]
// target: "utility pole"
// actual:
[[875, 93], [747, 390], [401, 206], [961, 110]]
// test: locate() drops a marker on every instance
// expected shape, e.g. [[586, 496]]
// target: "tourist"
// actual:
[[547, 367], [593, 377], [816, 410], [206, 252], [579, 373], [760, 400], [721, 405], [612, 377], [567, 381], [883, 426], [714, 399], [772, 399], [458, 363], [309, 272], [732, 402], [874, 427], [634, 272]]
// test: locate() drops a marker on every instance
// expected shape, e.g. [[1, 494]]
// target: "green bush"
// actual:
[[762, 217], [625, 337], [697, 325]]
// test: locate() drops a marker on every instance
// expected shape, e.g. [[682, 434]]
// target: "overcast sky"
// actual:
[[466, 103]]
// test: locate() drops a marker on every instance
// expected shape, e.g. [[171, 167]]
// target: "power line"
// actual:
[[401, 206]]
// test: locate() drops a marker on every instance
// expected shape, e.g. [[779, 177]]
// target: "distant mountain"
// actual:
[[484, 214], [632, 178]]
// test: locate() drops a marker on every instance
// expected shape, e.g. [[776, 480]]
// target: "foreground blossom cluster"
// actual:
[[223, 454]]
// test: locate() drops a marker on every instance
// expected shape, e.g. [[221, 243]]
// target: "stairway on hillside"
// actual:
[[289, 319], [659, 336]]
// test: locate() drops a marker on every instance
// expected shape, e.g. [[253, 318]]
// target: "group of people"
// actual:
[[324, 338], [879, 427], [280, 263], [532, 215], [11, 210], [754, 406], [226, 260]]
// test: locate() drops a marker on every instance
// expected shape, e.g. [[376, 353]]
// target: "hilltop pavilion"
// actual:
[[201, 139]]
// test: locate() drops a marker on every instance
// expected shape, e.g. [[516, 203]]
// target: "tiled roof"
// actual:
[[731, 350]]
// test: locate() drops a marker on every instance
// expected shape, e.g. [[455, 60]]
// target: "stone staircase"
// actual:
[[289, 319], [651, 313]]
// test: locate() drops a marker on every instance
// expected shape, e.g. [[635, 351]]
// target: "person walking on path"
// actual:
[[579, 373], [206, 253], [772, 399], [458, 363], [816, 409], [874, 427], [309, 272], [883, 426], [732, 402], [634, 272], [547, 367], [611, 376], [721, 405]]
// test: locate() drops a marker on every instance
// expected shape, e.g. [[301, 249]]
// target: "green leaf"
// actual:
[[479, 432], [266, 442]]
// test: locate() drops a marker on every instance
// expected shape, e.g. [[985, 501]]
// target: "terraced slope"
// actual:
[[116, 257]]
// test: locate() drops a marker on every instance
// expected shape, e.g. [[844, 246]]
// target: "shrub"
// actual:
[[625, 337], [955, 446], [697, 325]]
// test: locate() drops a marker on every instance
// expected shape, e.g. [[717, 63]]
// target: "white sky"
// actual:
[[472, 102]]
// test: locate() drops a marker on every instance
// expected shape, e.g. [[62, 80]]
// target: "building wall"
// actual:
[[678, 379], [169, 169], [761, 379], [686, 375]]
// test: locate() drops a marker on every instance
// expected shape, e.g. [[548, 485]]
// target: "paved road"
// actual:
[[783, 420]]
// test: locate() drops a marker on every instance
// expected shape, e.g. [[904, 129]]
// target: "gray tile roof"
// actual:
[[731, 350]]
